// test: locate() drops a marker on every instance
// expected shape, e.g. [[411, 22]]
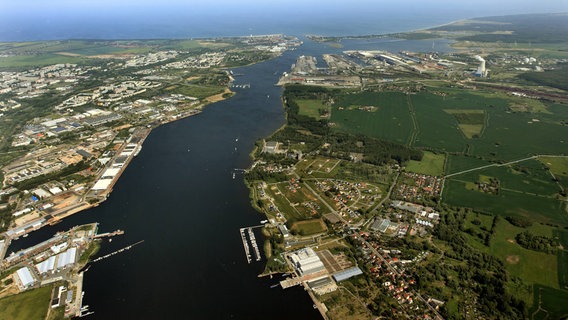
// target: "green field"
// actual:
[[525, 189], [431, 164], [29, 305], [532, 266], [557, 165], [506, 203], [36, 61], [562, 258], [553, 305], [309, 227], [391, 120], [311, 108], [470, 122]]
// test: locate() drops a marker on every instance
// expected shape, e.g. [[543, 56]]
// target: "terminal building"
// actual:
[[306, 261]]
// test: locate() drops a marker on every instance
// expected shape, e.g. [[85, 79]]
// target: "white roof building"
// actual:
[[306, 261], [25, 277], [66, 258], [46, 266]]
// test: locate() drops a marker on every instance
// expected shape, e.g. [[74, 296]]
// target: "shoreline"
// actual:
[[51, 219]]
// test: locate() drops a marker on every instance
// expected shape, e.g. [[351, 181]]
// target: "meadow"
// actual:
[[29, 305], [431, 164], [390, 119]]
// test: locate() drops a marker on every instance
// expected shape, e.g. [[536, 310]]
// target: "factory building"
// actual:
[[25, 277], [306, 261], [346, 274]]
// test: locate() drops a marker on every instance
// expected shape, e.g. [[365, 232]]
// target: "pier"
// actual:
[[253, 243], [117, 251], [109, 234], [245, 245]]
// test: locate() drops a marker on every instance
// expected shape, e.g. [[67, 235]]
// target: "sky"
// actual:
[[51, 19], [8, 7]]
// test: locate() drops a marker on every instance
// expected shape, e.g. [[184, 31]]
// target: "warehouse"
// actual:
[[66, 258], [25, 276], [346, 274], [306, 261], [46, 266]]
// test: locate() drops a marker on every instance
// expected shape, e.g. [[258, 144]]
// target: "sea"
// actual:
[[179, 194]]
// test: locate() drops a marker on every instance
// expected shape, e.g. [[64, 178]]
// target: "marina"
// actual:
[[252, 240]]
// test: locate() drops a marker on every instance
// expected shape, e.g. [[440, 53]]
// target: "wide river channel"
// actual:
[[180, 197]]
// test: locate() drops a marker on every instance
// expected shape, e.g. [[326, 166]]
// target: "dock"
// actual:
[[117, 251], [245, 245], [109, 234], [290, 282], [253, 242]]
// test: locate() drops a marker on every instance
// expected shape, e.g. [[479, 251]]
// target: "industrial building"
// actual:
[[306, 261], [46, 266], [26, 278], [346, 274], [66, 258]]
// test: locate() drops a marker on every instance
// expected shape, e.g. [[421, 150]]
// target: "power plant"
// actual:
[[481, 71]]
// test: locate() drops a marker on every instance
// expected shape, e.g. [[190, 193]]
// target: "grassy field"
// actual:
[[431, 164], [36, 61], [311, 108], [532, 266], [197, 91], [309, 227], [558, 167], [29, 305], [390, 120]]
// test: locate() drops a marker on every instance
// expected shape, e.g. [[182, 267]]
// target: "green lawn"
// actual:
[[29, 305], [311, 108], [309, 227], [431, 164]]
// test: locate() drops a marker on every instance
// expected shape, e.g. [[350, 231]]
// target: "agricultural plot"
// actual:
[[457, 163], [524, 177], [381, 115], [470, 122], [431, 164], [312, 108], [506, 203], [453, 122]]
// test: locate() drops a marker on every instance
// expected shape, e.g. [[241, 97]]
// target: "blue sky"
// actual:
[[62, 19], [498, 6]]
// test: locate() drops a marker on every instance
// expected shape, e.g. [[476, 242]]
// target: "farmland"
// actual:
[[431, 164], [389, 120]]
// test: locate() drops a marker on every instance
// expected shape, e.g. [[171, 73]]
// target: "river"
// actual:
[[179, 196]]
